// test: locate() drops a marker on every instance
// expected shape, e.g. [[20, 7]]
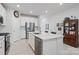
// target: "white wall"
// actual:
[[58, 18]]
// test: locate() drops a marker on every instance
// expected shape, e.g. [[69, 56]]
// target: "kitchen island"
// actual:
[[46, 43]]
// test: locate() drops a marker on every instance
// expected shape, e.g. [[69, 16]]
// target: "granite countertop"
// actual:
[[47, 36]]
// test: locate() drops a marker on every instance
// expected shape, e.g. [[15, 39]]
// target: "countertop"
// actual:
[[1, 37], [47, 36], [2, 34]]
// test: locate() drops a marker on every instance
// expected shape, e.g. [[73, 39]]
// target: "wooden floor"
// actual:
[[21, 47]]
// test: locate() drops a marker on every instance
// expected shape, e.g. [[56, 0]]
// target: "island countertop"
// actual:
[[47, 36]]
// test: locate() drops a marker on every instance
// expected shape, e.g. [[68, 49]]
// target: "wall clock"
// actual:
[[16, 13]]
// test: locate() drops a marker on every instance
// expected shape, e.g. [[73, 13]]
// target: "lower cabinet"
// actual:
[[2, 46], [49, 47], [32, 41], [60, 46]]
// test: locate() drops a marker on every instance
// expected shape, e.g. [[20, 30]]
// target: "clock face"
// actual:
[[16, 14]]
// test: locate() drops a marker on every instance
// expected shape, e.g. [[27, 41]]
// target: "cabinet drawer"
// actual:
[[70, 37], [70, 41], [2, 42]]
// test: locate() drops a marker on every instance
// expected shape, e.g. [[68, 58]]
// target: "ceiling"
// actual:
[[39, 8]]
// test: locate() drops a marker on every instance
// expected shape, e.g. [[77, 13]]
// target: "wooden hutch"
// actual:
[[71, 29]]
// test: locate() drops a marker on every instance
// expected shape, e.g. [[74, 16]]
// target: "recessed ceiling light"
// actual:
[[30, 11], [61, 4], [18, 6], [46, 11]]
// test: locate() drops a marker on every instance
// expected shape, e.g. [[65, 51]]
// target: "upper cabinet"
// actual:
[[3, 13]]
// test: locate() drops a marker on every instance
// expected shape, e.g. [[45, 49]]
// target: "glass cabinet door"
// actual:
[[72, 28], [66, 28]]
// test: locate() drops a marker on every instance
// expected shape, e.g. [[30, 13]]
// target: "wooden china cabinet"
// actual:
[[71, 32]]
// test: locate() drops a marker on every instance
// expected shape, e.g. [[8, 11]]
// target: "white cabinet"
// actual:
[[2, 46], [49, 47], [52, 46], [3, 13], [59, 45], [32, 41]]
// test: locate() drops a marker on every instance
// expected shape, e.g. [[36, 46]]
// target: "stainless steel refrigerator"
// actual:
[[29, 27]]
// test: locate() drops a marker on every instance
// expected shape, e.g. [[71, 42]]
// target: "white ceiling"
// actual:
[[39, 8]]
